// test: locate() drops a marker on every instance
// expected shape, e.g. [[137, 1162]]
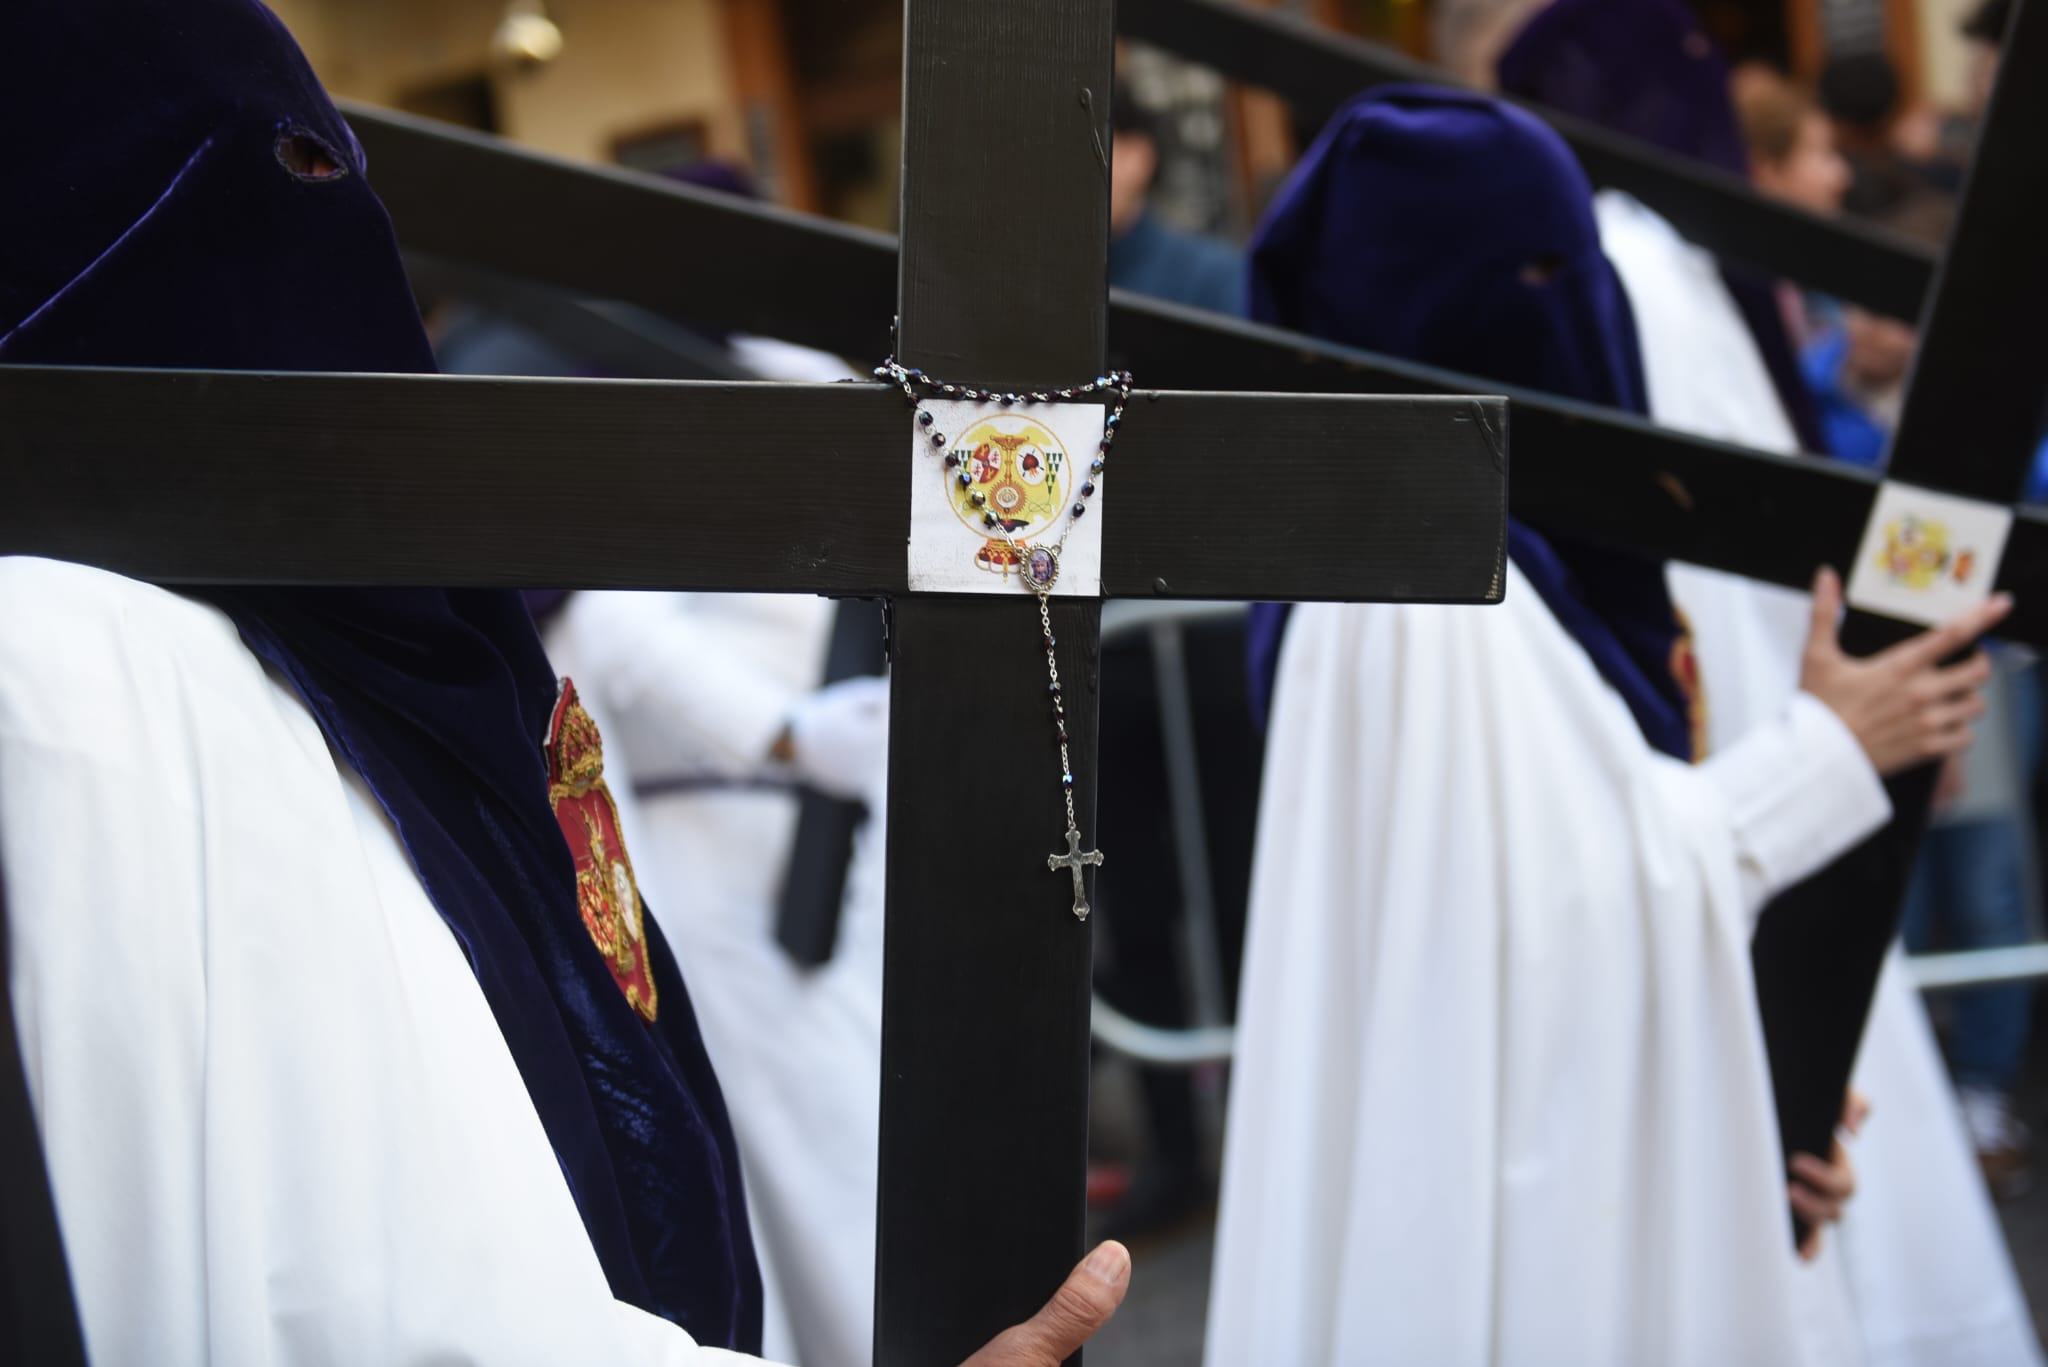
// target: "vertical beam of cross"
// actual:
[[1971, 423], [985, 1015], [1974, 409]]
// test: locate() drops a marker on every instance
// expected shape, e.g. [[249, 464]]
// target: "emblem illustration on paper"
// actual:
[[1019, 465], [1927, 555], [1917, 554], [1019, 468]]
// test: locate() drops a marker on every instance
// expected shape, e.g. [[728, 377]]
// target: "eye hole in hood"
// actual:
[[307, 156]]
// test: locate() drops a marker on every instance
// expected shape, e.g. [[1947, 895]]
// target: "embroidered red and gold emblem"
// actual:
[[1685, 670], [606, 893]]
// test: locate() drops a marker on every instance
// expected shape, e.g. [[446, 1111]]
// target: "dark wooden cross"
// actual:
[[1972, 421], [338, 479]]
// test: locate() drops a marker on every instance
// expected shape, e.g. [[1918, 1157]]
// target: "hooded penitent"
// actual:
[[1455, 230], [1646, 68], [179, 192]]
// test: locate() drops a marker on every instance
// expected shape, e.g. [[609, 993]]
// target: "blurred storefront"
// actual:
[[804, 93]]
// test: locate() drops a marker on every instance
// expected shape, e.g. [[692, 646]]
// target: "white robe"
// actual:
[[1705, 376], [1500, 1093], [698, 686], [281, 1124], [1927, 1275]]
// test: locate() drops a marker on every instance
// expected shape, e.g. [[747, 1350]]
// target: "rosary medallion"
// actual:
[[1041, 568], [606, 895]]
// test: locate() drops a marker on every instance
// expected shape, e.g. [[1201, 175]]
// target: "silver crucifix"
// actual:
[[1074, 860]]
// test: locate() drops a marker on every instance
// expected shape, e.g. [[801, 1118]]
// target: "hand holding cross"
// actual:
[[1073, 860]]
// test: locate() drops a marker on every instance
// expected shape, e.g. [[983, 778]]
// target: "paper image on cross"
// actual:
[[1021, 465]]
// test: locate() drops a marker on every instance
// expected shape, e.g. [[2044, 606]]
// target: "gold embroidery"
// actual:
[[607, 892], [1692, 685], [577, 752]]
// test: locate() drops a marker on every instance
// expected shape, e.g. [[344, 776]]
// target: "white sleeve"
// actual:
[[1799, 792], [684, 703]]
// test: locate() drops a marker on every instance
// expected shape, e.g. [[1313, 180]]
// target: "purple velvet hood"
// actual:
[[1646, 68], [1453, 229]]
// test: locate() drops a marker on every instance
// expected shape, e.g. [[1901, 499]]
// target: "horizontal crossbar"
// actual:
[[1319, 70], [209, 476], [1591, 471], [700, 257]]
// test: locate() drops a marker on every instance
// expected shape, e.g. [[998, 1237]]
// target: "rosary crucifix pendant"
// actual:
[[1073, 860]]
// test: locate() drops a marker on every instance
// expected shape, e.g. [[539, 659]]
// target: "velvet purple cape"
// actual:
[[1646, 68], [179, 192], [1453, 229]]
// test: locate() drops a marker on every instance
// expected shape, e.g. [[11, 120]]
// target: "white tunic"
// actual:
[[696, 687], [1501, 1094], [1928, 1279], [282, 1126], [1705, 376]]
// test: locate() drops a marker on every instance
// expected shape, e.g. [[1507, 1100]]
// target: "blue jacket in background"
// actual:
[[1852, 435], [1181, 268]]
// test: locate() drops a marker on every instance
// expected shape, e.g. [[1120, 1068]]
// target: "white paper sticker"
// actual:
[[1027, 463], [1926, 556]]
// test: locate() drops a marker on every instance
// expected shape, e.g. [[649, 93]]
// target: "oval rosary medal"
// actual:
[[1041, 568]]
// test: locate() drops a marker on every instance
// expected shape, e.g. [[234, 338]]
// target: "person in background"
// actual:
[[1792, 152], [1500, 1093], [1648, 71], [1467, 37], [1888, 181], [1854, 361], [1921, 1187], [1145, 255], [1938, 143]]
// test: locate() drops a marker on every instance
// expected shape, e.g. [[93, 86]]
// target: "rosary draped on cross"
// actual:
[[1038, 565]]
